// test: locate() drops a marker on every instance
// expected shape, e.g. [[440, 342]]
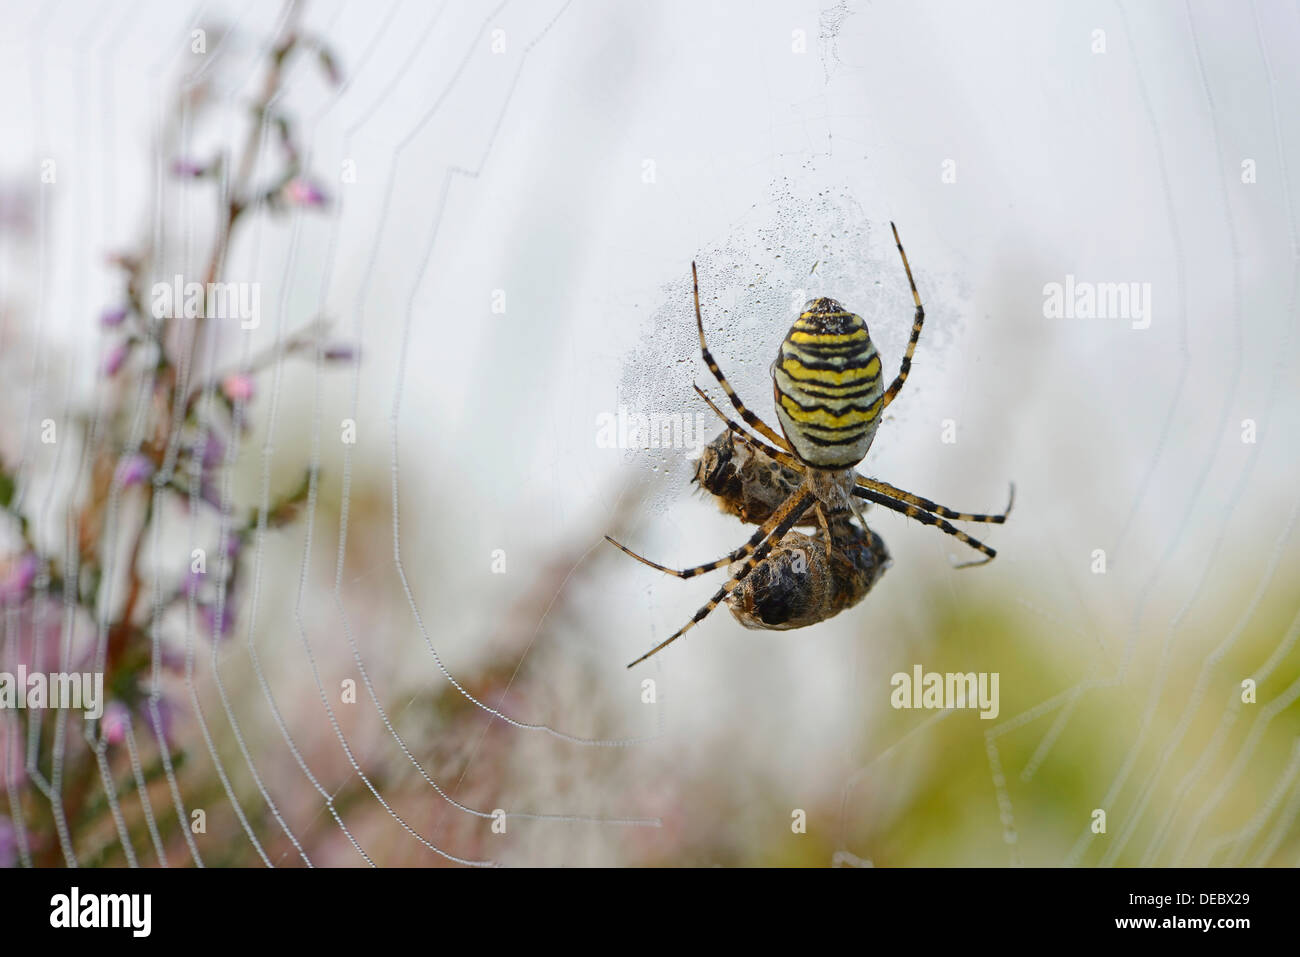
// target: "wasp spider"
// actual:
[[829, 395]]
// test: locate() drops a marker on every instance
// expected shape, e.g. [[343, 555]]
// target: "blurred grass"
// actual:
[[948, 812]]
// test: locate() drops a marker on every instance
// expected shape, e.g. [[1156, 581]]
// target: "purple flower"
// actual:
[[188, 168], [159, 725], [115, 358], [218, 626], [111, 318], [303, 192], [133, 469], [194, 583], [171, 659], [232, 542], [116, 719], [339, 352], [8, 844], [238, 387], [210, 450], [17, 576]]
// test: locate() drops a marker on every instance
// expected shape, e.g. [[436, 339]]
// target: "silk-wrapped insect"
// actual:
[[807, 577]]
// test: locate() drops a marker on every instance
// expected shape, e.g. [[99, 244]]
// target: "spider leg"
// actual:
[[748, 548], [785, 458], [750, 418], [884, 494], [788, 515], [885, 488], [906, 365], [925, 518], [853, 504], [826, 530]]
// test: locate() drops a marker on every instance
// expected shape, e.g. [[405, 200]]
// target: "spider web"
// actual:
[[1159, 788], [238, 755], [512, 263]]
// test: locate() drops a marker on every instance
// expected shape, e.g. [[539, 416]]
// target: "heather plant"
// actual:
[[84, 587]]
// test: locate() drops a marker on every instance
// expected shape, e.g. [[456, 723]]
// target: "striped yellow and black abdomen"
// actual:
[[828, 385]]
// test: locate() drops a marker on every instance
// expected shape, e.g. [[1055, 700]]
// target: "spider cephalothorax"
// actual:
[[829, 402]]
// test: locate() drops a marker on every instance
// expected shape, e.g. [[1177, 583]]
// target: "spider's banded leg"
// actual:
[[747, 549], [790, 514], [753, 420], [906, 365], [873, 490], [925, 518], [853, 503], [885, 488], [785, 458], [826, 529], [864, 484]]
